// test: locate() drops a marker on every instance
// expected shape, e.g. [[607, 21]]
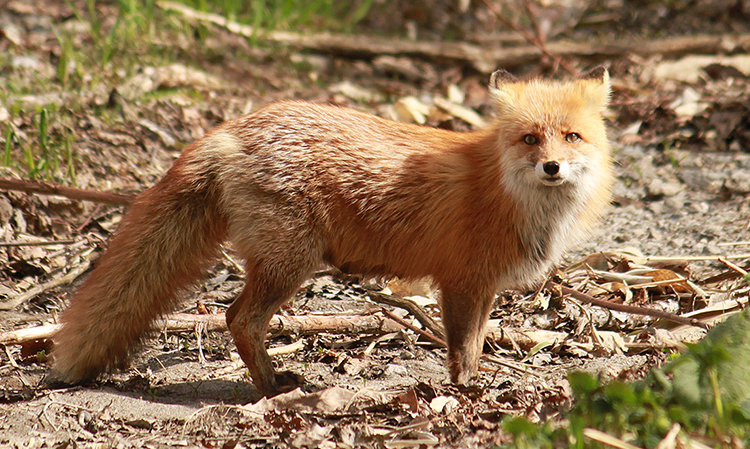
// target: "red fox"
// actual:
[[297, 186]]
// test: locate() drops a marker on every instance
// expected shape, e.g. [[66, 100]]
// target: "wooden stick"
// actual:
[[536, 41], [38, 243], [68, 192], [280, 325], [623, 307], [411, 307], [21, 336], [483, 59], [425, 334], [291, 325], [69, 277], [733, 266]]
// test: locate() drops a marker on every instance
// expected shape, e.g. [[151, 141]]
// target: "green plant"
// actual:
[[45, 156], [10, 136], [290, 14], [140, 18], [67, 59], [705, 390], [133, 29], [104, 41]]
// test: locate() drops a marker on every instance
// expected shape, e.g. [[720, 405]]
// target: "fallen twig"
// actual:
[[280, 325], [21, 336], [536, 41], [512, 364], [38, 243], [68, 192], [411, 307], [734, 267], [291, 325], [732, 274], [524, 339], [287, 349], [623, 307], [598, 435], [69, 277], [483, 59], [427, 335], [658, 260]]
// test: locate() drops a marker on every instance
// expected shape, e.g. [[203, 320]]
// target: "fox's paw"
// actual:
[[55, 381], [283, 382], [287, 381]]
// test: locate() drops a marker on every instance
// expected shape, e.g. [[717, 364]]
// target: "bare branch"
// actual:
[[68, 192]]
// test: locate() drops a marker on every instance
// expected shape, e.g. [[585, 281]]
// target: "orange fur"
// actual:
[[296, 185]]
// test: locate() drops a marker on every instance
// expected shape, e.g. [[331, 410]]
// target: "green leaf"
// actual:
[[582, 383], [620, 392]]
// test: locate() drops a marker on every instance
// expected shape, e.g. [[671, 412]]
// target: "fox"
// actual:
[[297, 186]]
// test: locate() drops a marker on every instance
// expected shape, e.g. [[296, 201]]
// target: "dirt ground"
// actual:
[[682, 152]]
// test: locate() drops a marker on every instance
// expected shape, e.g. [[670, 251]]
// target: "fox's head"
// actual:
[[552, 133]]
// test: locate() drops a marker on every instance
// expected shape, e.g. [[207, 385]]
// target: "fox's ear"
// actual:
[[499, 81], [596, 87], [597, 73], [500, 77]]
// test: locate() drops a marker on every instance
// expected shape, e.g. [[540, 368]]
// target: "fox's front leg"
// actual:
[[465, 312]]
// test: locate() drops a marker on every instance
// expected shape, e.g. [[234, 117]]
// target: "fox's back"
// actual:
[[373, 189]]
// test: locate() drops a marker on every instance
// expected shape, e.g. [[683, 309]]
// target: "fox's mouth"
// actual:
[[552, 180]]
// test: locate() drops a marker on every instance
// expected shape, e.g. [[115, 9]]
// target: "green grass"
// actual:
[[296, 15], [48, 155], [122, 36], [705, 390]]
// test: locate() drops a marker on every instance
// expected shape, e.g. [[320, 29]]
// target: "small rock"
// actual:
[[657, 207], [444, 404], [656, 234], [13, 33], [392, 369], [675, 203], [713, 250], [739, 181], [646, 168], [701, 207], [658, 188], [24, 62], [6, 210], [699, 180], [406, 355], [19, 221]]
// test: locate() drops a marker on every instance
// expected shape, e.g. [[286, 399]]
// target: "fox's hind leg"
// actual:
[[280, 253], [267, 288]]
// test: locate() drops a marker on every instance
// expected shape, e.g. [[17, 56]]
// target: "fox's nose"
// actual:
[[551, 168]]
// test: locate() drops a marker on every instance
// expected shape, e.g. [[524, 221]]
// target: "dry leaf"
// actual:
[[401, 287], [412, 110], [444, 404], [468, 115], [691, 68], [356, 93]]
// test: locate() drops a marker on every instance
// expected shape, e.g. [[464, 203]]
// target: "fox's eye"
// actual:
[[530, 139], [572, 137]]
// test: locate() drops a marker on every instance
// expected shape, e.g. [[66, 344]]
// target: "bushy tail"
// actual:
[[164, 243]]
